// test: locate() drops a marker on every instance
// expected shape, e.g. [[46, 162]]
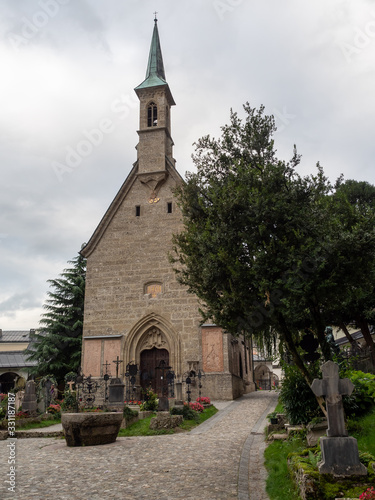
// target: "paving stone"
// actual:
[[221, 462]]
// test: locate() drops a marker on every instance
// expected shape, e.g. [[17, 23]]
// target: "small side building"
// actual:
[[14, 367]]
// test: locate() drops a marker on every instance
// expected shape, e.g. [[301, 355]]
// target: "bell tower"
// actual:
[[155, 140]]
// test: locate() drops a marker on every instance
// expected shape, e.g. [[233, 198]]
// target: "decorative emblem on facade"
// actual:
[[154, 338], [193, 366], [153, 181], [153, 289]]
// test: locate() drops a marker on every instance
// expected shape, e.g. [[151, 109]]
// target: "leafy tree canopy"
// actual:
[[57, 345], [264, 248]]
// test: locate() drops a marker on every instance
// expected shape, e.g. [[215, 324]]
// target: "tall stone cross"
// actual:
[[333, 388], [117, 363], [339, 452]]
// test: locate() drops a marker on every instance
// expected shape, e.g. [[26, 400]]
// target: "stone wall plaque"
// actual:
[[153, 289], [92, 357], [212, 349]]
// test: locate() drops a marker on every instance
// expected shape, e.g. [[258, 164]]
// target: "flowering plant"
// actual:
[[196, 406], [22, 414], [369, 494], [133, 402], [151, 401], [53, 409], [204, 401]]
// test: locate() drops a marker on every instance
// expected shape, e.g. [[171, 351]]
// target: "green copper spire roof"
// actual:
[[155, 74]]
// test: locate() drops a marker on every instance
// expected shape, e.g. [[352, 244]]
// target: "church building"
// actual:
[[136, 312]]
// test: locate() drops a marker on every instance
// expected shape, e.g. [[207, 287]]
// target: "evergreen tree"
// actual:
[[56, 346]]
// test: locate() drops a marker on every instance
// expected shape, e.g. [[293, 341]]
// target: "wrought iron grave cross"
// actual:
[[106, 364], [117, 363], [333, 388]]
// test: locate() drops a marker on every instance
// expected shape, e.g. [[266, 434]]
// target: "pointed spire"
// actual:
[[155, 61], [155, 74]]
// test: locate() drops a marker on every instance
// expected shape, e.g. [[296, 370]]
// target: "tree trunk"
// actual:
[[363, 325], [298, 360], [347, 334], [320, 331]]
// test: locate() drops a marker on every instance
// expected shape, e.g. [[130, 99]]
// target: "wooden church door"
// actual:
[[151, 372]]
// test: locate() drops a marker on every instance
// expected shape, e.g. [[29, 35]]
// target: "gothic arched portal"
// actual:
[[155, 334]]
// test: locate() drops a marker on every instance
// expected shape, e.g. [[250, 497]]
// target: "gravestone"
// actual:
[[339, 452], [116, 387], [179, 400], [29, 403], [116, 391], [163, 404]]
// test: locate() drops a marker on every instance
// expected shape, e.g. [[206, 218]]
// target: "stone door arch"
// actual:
[[153, 331]]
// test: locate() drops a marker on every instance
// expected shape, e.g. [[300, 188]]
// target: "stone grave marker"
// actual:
[[116, 387], [70, 384], [339, 452], [29, 403], [163, 404]]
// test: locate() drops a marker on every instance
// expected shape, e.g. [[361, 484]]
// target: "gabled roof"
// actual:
[[116, 204], [15, 359], [15, 336]]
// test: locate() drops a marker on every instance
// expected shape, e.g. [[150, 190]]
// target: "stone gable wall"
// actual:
[[132, 253]]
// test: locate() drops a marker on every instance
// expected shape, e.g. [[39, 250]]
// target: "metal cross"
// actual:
[[155, 16], [117, 363], [106, 364]]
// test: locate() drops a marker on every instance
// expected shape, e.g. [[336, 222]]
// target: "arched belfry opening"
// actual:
[[152, 115], [153, 345]]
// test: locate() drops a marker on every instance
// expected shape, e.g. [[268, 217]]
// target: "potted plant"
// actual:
[[272, 417]]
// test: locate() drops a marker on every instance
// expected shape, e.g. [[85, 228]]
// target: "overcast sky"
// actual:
[[69, 115]]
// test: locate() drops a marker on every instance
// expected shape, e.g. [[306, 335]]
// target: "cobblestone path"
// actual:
[[220, 459]]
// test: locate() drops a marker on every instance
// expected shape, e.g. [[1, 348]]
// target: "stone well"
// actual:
[[89, 429]]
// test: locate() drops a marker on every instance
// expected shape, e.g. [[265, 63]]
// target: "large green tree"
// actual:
[[355, 205], [262, 246], [56, 347]]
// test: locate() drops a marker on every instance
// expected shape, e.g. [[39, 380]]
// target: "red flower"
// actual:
[[369, 494]]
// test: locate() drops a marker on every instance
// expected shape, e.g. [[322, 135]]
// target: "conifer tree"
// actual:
[[56, 346]]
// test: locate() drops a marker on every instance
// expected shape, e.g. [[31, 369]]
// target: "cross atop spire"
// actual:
[[155, 19]]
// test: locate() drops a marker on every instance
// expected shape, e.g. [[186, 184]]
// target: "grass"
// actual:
[[187, 425], [363, 430], [279, 484], [38, 425], [141, 427]]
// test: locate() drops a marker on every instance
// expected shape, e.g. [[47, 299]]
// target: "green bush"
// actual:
[[298, 400], [187, 412], [69, 403], [128, 413], [3, 405], [362, 400]]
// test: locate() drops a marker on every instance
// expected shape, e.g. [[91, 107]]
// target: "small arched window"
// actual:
[[152, 115]]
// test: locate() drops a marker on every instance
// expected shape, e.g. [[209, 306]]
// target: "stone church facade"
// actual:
[[135, 309]]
